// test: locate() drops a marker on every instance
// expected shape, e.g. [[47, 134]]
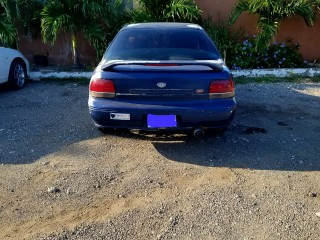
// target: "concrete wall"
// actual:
[[294, 29], [59, 53]]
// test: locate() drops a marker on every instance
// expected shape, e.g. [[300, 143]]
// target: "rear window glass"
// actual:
[[162, 44]]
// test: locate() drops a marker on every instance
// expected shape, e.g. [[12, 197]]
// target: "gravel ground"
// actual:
[[62, 179]]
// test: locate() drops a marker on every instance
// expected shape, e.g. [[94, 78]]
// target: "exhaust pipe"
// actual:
[[198, 133]]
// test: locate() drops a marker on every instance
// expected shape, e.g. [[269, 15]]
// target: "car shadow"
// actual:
[[279, 136], [43, 117], [4, 87], [239, 149]]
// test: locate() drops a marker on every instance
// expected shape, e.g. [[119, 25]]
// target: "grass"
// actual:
[[292, 79], [62, 81], [63, 68]]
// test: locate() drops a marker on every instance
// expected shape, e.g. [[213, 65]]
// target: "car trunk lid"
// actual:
[[164, 81]]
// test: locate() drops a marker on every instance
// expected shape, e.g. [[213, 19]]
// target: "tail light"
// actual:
[[102, 88], [221, 89]]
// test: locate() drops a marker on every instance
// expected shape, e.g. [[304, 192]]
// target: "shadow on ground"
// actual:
[[45, 117]]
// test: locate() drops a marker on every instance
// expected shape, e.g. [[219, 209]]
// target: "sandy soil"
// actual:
[[260, 180]]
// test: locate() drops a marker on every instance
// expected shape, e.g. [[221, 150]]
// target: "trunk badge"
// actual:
[[199, 91], [161, 84]]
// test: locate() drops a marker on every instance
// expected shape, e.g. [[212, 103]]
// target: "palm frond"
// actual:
[[154, 8], [8, 33], [95, 9], [267, 30], [139, 15], [241, 6], [96, 36], [182, 10], [54, 19], [272, 12], [116, 16], [11, 9], [303, 8]]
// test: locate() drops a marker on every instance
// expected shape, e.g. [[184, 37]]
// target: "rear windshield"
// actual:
[[162, 44]]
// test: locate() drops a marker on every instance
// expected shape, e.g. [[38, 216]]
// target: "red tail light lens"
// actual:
[[221, 89], [102, 88]]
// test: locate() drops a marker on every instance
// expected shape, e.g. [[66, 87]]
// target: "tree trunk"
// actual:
[[75, 56]]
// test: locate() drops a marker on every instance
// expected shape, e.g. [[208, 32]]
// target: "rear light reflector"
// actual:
[[102, 88], [221, 89]]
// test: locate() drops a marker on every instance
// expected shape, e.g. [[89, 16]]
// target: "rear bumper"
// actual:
[[215, 113]]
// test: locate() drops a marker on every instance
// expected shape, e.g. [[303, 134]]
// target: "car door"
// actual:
[[4, 65]]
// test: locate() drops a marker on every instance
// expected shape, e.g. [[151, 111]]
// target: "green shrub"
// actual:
[[277, 55], [166, 11], [223, 36]]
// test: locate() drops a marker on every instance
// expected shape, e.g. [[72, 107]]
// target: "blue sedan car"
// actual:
[[157, 76]]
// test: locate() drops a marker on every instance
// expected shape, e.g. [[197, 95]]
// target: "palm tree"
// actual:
[[167, 10], [9, 11], [119, 14], [271, 13], [8, 14], [8, 33], [73, 17], [12, 12]]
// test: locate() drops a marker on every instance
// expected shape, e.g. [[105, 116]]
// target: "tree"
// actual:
[[13, 13], [166, 10], [8, 33], [73, 17], [271, 13], [9, 12], [119, 14]]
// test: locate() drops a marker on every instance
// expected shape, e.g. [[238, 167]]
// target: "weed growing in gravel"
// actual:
[[316, 79], [292, 79]]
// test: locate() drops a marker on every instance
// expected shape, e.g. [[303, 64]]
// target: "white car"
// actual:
[[14, 68]]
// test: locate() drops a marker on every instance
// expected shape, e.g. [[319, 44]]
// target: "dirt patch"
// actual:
[[257, 181]]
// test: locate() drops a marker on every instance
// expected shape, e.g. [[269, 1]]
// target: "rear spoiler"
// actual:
[[215, 65]]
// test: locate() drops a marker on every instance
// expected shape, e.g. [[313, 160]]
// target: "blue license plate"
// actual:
[[161, 121]]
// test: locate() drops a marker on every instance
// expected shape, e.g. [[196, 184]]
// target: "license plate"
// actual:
[[120, 116], [161, 121]]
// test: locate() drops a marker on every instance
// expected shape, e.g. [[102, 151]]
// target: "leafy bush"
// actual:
[[223, 36], [270, 14], [277, 55], [16, 13], [120, 13], [166, 11]]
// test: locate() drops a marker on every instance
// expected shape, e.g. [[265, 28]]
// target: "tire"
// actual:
[[17, 74]]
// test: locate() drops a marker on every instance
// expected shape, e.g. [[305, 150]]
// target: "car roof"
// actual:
[[163, 25]]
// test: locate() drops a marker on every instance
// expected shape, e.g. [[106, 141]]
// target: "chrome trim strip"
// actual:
[[221, 95], [102, 94]]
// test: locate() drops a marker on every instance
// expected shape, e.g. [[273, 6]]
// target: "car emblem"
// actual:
[[161, 84]]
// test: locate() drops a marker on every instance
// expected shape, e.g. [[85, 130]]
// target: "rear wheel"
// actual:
[[17, 74]]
